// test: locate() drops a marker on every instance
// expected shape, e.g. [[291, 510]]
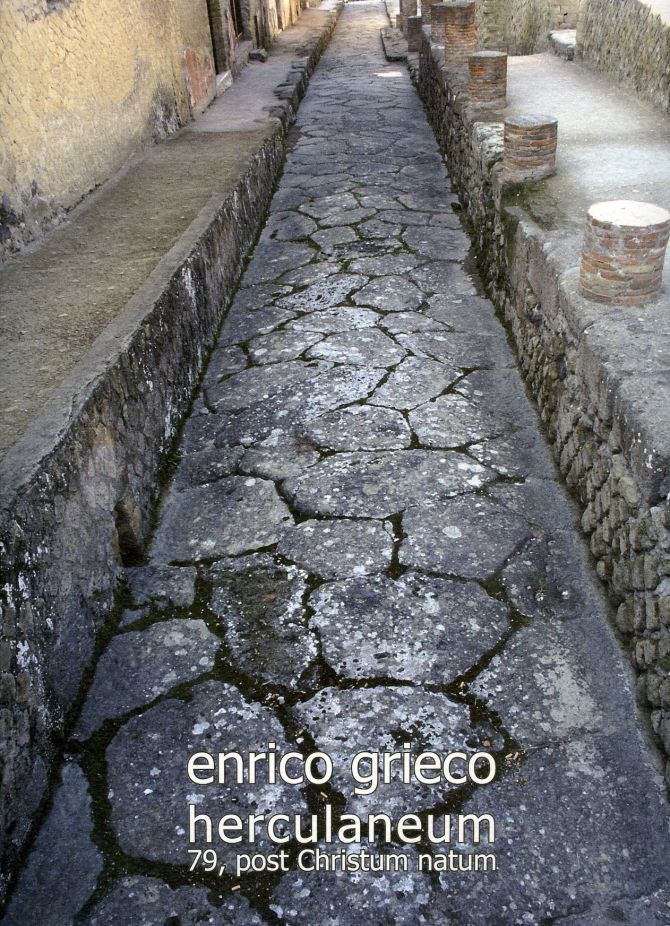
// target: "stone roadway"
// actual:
[[363, 542]]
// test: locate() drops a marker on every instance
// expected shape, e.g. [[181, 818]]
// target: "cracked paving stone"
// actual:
[[280, 346], [241, 324], [460, 349], [142, 901], [346, 217], [252, 297], [340, 318], [503, 392], [320, 208], [539, 501], [411, 322], [338, 549], [206, 466], [62, 870], [405, 217], [539, 689], [437, 242], [224, 361], [391, 294], [309, 275], [138, 666], [280, 455], [470, 536], [352, 898], [324, 293], [234, 515], [327, 238], [273, 258], [419, 628], [360, 427], [567, 838], [259, 603], [452, 421], [442, 276], [414, 382], [162, 586], [517, 456], [149, 788], [366, 248], [365, 347], [462, 312], [385, 265], [289, 226], [376, 229], [256, 384], [652, 909], [383, 719], [377, 485]]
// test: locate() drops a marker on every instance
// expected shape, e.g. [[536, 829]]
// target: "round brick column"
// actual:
[[530, 146], [488, 77], [624, 251], [407, 9], [454, 27], [414, 35]]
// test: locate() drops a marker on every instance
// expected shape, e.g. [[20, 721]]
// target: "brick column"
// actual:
[[488, 77], [624, 251], [454, 27], [414, 34], [407, 9], [530, 146]]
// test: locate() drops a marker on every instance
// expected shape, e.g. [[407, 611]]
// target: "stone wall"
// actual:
[[520, 27], [627, 39], [618, 469], [76, 506]]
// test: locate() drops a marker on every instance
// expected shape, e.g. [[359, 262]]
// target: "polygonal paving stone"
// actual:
[[414, 382], [538, 689], [403, 898], [418, 628], [224, 361], [338, 549], [366, 347], [503, 392], [326, 238], [231, 516], [423, 197], [404, 217], [441, 276], [260, 605], [289, 226], [360, 427], [316, 272], [280, 346], [140, 901], [385, 264], [452, 421], [410, 322], [464, 350], [339, 318], [273, 258], [150, 790], [390, 294], [376, 485], [258, 383], [376, 229], [162, 586], [241, 324], [320, 208], [324, 294], [346, 217], [252, 297], [382, 719], [519, 455], [138, 666], [470, 537], [538, 501], [206, 466], [437, 242], [62, 869], [463, 312], [280, 455], [566, 809]]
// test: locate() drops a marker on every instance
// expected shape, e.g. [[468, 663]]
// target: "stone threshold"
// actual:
[[78, 484]]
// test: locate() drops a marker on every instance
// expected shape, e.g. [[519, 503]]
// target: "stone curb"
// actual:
[[84, 478]]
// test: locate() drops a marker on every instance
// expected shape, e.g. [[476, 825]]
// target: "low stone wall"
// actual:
[[626, 39], [521, 27], [78, 492], [618, 470]]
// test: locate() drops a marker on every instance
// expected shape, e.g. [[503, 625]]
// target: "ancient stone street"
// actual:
[[363, 543]]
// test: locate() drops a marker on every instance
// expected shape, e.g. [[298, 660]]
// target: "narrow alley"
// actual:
[[363, 544]]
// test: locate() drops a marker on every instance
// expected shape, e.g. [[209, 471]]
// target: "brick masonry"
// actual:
[[614, 466], [530, 142], [624, 252], [487, 81]]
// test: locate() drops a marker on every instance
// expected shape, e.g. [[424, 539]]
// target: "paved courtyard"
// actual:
[[363, 544]]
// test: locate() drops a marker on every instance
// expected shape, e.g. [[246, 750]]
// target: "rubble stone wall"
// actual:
[[613, 466], [521, 27], [628, 40]]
